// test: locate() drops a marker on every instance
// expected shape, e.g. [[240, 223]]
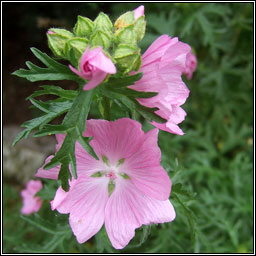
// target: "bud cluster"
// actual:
[[118, 41]]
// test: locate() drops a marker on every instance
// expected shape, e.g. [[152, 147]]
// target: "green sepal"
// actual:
[[57, 40], [103, 22], [100, 38], [74, 49], [111, 187], [127, 57], [84, 27], [140, 28], [125, 35]]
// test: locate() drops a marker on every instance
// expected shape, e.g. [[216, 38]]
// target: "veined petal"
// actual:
[[178, 52], [156, 49], [115, 140], [86, 164], [102, 62], [97, 77], [128, 209], [77, 72], [87, 214], [48, 174], [168, 127], [145, 171]]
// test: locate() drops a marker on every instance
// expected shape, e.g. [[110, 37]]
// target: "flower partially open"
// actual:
[[191, 64], [94, 67], [31, 203], [138, 12], [162, 67], [125, 189]]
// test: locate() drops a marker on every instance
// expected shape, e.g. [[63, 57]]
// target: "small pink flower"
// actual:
[[31, 203], [94, 66], [129, 166], [191, 64], [138, 12], [162, 67]]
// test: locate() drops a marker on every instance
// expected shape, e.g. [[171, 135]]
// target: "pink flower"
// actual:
[[162, 67], [30, 202], [138, 12], [94, 66], [191, 64], [129, 166]]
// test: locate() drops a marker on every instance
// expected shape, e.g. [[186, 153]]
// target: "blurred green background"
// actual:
[[211, 166]]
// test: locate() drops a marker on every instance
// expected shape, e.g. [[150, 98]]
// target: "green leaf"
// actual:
[[122, 81], [50, 129], [133, 105], [48, 247], [54, 70], [84, 141], [55, 90], [74, 124], [44, 225], [134, 94], [64, 175], [53, 109]]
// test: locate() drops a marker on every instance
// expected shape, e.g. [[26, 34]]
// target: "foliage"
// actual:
[[211, 166]]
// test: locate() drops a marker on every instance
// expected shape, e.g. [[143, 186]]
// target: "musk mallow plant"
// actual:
[[109, 170]]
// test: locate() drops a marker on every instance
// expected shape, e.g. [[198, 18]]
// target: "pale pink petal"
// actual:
[[48, 174], [97, 78], [33, 186], [87, 55], [145, 171], [138, 12], [59, 202], [156, 49], [77, 72], [31, 203], [102, 62], [191, 64], [177, 52], [128, 209], [87, 214], [86, 164], [168, 127], [115, 140]]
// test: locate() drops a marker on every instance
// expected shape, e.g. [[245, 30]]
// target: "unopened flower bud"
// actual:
[[125, 35], [124, 20], [128, 57], [83, 27], [74, 49], [103, 22], [56, 39], [140, 28], [138, 12], [134, 18], [100, 38]]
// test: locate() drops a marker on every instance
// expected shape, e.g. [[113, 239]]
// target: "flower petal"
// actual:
[[87, 214], [128, 208], [97, 77], [48, 174], [156, 50], [115, 140], [138, 12], [145, 171], [102, 62], [168, 127], [77, 72]]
